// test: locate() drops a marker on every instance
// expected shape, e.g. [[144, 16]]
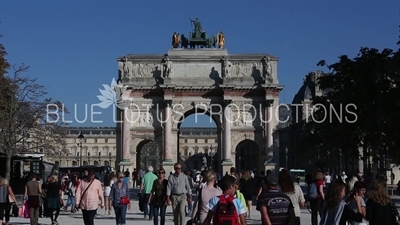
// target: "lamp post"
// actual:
[[286, 154], [80, 138], [211, 153], [59, 155]]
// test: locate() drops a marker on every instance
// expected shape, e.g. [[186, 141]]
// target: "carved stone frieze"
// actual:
[[148, 69], [142, 119], [141, 105]]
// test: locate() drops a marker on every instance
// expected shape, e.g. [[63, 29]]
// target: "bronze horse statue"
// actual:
[[211, 41]]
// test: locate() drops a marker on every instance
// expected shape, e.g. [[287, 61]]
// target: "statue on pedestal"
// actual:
[[221, 40], [267, 67], [167, 67], [198, 29], [227, 66], [175, 40]]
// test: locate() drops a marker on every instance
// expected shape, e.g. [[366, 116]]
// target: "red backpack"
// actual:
[[226, 213]]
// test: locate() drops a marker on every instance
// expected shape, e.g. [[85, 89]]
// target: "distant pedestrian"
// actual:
[[33, 190]]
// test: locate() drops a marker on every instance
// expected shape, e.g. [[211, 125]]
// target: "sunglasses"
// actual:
[[162, 172], [178, 168]]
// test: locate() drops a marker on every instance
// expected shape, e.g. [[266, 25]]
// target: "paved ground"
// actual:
[[136, 217]]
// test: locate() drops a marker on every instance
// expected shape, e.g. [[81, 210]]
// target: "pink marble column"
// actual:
[[126, 130], [268, 131], [227, 133], [168, 133]]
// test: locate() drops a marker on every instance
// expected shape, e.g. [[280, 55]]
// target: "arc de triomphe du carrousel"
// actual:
[[240, 92]]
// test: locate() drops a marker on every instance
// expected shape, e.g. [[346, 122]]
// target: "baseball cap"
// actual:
[[270, 181]]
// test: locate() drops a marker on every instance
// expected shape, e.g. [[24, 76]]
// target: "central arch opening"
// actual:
[[148, 154], [198, 141]]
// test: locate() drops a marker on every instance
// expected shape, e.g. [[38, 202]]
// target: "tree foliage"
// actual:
[[365, 91], [23, 114]]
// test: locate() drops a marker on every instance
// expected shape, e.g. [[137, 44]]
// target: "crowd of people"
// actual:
[[344, 200], [220, 200]]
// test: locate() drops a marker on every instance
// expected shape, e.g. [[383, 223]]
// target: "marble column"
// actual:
[[126, 134], [168, 134], [268, 132], [227, 119]]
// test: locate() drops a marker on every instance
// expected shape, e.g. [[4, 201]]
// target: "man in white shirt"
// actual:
[[328, 180], [344, 177]]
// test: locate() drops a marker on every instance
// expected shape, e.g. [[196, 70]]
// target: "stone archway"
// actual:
[[196, 144], [247, 153], [148, 154], [209, 78]]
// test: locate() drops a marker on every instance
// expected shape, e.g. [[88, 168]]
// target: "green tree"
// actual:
[[24, 108], [367, 85]]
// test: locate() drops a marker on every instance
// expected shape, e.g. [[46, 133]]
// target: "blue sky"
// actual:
[[72, 46]]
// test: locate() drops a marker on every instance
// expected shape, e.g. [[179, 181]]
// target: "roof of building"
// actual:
[[91, 130]]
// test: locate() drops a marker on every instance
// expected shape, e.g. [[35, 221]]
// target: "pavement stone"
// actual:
[[134, 216]]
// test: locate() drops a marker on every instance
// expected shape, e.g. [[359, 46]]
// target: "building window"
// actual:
[[195, 140], [85, 151], [185, 140], [196, 150], [114, 151], [186, 151], [73, 150], [105, 150], [106, 140], [95, 140], [95, 151]]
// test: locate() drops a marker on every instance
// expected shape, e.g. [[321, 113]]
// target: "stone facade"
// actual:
[[98, 147], [238, 91]]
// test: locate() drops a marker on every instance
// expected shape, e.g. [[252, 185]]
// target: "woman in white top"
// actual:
[[108, 182], [208, 191], [292, 190]]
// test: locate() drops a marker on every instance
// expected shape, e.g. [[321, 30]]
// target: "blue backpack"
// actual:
[[312, 191]]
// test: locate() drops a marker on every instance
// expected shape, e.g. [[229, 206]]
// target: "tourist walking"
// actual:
[[145, 189], [293, 190], [119, 199], [380, 209], [7, 197], [108, 182], [275, 207], [179, 194], [247, 188], [88, 194], [335, 210], [32, 194], [215, 213], [204, 194], [316, 196], [54, 199], [158, 197], [357, 195], [71, 192]]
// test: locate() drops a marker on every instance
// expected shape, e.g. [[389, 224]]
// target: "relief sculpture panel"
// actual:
[[196, 69]]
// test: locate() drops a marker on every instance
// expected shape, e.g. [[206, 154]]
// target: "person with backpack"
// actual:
[[275, 207], [226, 209], [316, 196]]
